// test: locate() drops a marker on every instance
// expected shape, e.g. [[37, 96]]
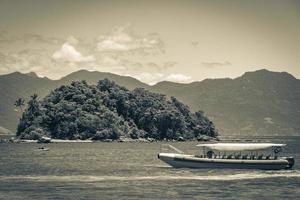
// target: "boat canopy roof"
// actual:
[[240, 146]]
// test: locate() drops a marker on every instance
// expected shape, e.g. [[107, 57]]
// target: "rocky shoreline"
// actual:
[[120, 140]]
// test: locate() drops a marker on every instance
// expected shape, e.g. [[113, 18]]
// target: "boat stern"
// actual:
[[291, 162]]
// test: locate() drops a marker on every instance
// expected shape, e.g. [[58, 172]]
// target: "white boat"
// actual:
[[233, 156]]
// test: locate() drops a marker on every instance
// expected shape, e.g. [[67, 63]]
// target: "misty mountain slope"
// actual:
[[17, 85], [4, 131], [261, 102], [94, 77]]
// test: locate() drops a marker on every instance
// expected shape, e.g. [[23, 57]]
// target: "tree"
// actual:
[[20, 102], [33, 106], [109, 111], [30, 118]]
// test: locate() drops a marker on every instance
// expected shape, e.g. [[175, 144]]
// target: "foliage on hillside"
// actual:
[[108, 111]]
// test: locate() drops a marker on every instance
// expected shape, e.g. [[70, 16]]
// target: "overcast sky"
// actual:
[[179, 41]]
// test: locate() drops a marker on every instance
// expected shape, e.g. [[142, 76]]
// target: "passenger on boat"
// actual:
[[210, 154], [237, 156]]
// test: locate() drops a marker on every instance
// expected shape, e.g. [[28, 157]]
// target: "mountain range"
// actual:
[[260, 102]]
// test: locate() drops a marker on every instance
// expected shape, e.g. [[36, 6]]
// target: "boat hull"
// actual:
[[190, 161]]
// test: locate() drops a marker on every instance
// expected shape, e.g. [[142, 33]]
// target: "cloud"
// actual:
[[24, 61], [72, 40], [153, 65], [216, 64], [146, 66], [28, 38], [169, 64], [7, 59], [123, 40], [68, 53], [194, 44], [36, 38], [122, 52], [153, 78], [161, 67], [34, 60], [180, 78], [109, 61], [150, 78], [6, 62]]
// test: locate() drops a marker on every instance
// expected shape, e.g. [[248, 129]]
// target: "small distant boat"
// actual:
[[233, 156], [43, 149]]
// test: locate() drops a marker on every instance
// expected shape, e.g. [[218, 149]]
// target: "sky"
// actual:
[[157, 40]]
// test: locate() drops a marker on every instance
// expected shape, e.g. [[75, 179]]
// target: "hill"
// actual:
[[17, 85], [94, 77], [259, 102], [109, 111], [4, 131]]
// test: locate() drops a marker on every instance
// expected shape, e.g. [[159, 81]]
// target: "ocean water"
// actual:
[[132, 171]]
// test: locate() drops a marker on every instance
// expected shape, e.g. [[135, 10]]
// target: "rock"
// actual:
[[124, 139], [142, 140], [181, 139], [107, 140], [44, 139], [12, 140], [150, 139], [204, 138], [3, 140]]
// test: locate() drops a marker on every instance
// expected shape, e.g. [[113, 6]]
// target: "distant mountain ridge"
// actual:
[[259, 102]]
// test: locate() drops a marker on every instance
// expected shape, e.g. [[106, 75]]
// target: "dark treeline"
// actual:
[[108, 111]]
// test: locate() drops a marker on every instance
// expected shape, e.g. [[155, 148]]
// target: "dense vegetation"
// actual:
[[108, 111]]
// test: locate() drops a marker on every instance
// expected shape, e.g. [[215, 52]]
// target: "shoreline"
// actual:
[[141, 140], [120, 140]]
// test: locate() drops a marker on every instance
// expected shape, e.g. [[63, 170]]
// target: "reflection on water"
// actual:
[[220, 177], [132, 170]]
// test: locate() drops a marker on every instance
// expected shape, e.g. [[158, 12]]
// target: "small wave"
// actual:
[[158, 166], [80, 178]]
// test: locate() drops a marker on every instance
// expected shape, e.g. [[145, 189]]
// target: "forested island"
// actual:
[[109, 111]]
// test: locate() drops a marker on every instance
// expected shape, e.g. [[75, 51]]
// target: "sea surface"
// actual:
[[132, 171]]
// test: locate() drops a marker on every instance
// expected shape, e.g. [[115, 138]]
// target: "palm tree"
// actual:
[[33, 105], [20, 103]]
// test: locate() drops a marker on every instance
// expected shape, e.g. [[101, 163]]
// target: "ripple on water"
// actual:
[[219, 177]]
